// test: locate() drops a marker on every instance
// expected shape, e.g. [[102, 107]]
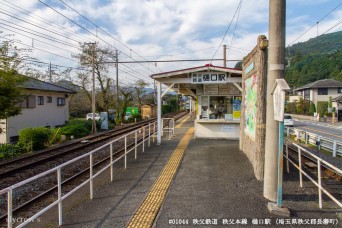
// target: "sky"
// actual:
[[155, 30]]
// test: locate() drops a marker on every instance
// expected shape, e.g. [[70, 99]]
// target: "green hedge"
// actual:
[[10, 150], [322, 108], [34, 138]]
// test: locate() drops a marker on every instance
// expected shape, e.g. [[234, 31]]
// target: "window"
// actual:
[[307, 94], [339, 90], [29, 102], [49, 100], [323, 91], [40, 100], [60, 101], [220, 107]]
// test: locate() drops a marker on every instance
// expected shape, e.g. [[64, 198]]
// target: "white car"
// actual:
[[288, 121], [90, 116]]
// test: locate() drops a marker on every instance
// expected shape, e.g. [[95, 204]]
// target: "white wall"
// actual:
[[48, 114]]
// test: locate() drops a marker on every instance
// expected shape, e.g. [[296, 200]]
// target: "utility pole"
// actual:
[[117, 82], [224, 55], [276, 66]]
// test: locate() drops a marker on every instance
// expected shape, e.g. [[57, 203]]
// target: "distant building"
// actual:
[[46, 105], [321, 90]]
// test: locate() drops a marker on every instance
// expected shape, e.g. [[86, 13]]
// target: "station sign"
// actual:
[[208, 78]]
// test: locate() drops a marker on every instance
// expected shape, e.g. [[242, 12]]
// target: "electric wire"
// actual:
[[88, 30], [104, 31], [237, 21], [315, 23], [225, 34], [43, 20]]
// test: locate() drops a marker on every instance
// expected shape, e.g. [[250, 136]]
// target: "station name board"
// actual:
[[208, 78]]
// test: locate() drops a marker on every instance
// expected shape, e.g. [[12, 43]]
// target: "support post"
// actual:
[[224, 55], [143, 149], [334, 149], [136, 145], [319, 184], [149, 134], [275, 70], [91, 183], [159, 126], [280, 164], [111, 162], [10, 208], [300, 167], [125, 152], [60, 208]]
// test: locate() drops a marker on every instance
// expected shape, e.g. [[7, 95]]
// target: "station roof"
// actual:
[[180, 80], [208, 67]]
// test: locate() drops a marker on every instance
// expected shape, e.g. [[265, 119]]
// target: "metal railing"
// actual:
[[170, 127], [151, 128], [320, 162], [334, 146]]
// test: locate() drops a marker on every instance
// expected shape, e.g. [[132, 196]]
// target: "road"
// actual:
[[325, 130]]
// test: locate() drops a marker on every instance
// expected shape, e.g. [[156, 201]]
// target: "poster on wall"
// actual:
[[251, 105], [236, 109]]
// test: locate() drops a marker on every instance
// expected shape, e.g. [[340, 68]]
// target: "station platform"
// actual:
[[187, 182]]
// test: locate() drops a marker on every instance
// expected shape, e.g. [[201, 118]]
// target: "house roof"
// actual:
[[325, 83], [337, 99], [35, 84]]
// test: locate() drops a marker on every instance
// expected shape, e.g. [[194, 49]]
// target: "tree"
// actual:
[[99, 54], [139, 87], [10, 80], [125, 101]]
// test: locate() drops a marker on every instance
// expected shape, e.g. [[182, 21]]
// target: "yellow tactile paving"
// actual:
[[147, 212], [182, 122]]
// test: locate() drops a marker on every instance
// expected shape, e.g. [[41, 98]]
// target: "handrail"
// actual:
[[334, 146], [318, 183], [58, 170]]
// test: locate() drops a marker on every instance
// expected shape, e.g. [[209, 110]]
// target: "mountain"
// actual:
[[315, 59]]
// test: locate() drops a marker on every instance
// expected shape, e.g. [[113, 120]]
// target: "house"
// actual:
[[321, 90], [45, 105]]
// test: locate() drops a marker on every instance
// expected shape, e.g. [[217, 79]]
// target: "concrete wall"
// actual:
[[48, 114], [254, 147]]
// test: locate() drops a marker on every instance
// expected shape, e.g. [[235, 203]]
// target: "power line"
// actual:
[[333, 26], [105, 32], [41, 19], [45, 29], [167, 61], [315, 24], [237, 21], [37, 48], [225, 34], [88, 30]]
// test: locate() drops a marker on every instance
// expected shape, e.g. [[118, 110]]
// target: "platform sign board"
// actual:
[[278, 93], [208, 78]]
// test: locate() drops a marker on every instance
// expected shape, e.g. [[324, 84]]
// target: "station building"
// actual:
[[215, 98]]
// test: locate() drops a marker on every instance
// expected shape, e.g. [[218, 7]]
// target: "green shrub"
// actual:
[[77, 130], [312, 109], [322, 108], [10, 150], [34, 138], [133, 117], [166, 109]]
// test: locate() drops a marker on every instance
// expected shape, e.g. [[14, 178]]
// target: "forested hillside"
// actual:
[[318, 58]]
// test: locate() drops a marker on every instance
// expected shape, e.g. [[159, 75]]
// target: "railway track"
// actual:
[[69, 179], [331, 180]]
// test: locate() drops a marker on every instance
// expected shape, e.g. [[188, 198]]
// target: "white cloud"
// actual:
[[164, 29]]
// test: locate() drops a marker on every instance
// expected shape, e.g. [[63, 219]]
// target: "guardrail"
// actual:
[[170, 127], [58, 171], [334, 146], [320, 162]]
